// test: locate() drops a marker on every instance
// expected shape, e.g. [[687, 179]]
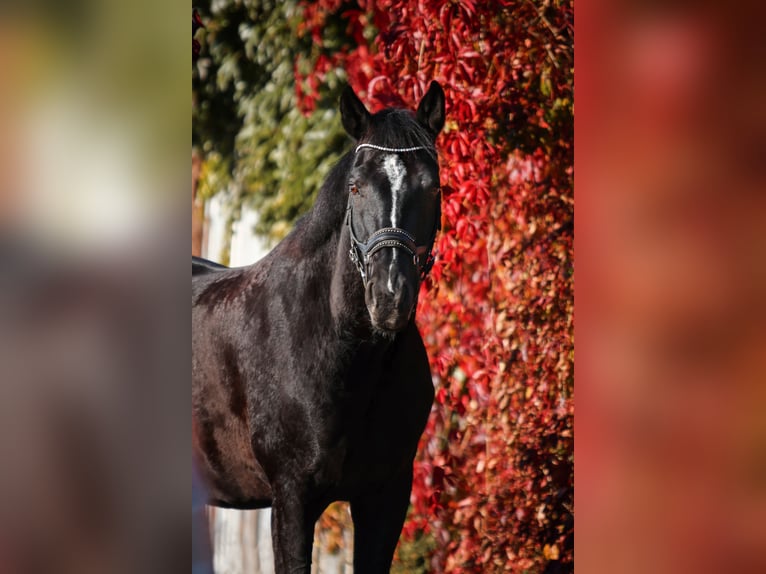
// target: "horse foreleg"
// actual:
[[292, 533], [378, 518]]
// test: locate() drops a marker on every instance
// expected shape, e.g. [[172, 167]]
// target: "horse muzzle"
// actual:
[[390, 302]]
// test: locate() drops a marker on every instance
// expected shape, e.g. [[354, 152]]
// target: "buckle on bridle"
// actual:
[[354, 256], [430, 260]]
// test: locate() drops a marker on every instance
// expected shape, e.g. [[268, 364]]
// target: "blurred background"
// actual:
[[671, 433], [94, 407]]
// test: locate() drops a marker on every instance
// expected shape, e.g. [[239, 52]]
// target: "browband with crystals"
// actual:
[[390, 149]]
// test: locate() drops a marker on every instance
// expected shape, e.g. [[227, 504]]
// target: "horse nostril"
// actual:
[[390, 294]]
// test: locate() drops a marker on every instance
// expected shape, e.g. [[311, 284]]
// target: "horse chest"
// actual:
[[380, 432]]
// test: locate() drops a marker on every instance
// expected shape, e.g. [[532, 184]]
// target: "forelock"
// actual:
[[395, 128]]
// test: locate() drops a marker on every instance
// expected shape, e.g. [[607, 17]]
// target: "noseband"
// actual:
[[361, 252]]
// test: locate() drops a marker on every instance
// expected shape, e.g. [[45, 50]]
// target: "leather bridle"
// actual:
[[361, 252]]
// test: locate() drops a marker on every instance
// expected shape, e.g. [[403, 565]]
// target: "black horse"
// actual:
[[310, 381]]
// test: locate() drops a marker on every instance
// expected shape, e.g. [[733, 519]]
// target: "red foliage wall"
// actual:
[[494, 475]]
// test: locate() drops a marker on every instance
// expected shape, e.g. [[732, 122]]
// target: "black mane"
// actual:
[[326, 216]]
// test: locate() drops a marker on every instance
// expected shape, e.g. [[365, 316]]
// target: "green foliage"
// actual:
[[246, 123], [412, 554]]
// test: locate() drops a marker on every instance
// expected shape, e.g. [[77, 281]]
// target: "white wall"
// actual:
[[246, 246]]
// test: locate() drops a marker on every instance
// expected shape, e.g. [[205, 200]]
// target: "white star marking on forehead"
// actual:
[[393, 167]]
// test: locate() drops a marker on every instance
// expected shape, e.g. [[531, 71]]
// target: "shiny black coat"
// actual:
[[298, 400]]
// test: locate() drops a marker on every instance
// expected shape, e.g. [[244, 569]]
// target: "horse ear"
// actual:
[[355, 117], [431, 108]]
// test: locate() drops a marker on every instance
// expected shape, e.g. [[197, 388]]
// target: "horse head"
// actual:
[[394, 202]]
